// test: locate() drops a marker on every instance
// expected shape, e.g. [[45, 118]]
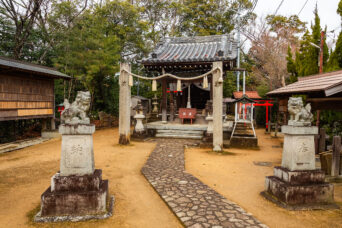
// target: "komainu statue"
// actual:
[[76, 113], [299, 115]]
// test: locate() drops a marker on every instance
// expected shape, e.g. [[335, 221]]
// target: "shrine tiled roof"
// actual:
[[329, 83], [194, 49], [249, 94], [7, 63]]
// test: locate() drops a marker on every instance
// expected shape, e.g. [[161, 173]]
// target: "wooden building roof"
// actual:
[[198, 51], [249, 94], [329, 84], [21, 66]]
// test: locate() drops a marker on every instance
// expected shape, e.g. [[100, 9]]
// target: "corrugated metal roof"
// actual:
[[194, 49], [24, 66], [327, 83], [250, 94]]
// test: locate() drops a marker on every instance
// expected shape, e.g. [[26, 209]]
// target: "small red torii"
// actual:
[[266, 103]]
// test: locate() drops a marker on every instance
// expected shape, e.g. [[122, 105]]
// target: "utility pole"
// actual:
[[238, 52], [321, 50], [321, 53]]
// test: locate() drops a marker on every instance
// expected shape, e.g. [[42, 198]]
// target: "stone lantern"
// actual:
[[139, 129]]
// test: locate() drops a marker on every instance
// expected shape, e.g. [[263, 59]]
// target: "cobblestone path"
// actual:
[[194, 203]]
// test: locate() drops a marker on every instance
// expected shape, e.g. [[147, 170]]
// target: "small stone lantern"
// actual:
[[139, 129]]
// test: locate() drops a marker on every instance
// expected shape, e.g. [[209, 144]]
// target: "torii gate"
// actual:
[[126, 81]]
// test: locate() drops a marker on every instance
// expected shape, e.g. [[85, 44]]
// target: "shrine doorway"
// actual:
[[198, 96]]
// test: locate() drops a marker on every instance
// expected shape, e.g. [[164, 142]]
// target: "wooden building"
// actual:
[[27, 90], [323, 91]]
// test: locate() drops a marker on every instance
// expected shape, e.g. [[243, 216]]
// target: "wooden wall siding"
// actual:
[[25, 95], [8, 113], [34, 112], [23, 104]]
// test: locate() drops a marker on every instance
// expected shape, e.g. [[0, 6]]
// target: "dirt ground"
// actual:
[[235, 176], [25, 174]]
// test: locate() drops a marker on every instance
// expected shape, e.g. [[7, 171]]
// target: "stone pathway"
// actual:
[[194, 203]]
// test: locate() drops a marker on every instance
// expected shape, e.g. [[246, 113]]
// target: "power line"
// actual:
[[303, 7], [264, 24], [278, 7]]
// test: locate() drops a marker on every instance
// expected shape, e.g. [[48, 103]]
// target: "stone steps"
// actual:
[[179, 133], [177, 136]]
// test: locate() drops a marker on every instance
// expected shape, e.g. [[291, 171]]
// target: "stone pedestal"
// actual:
[[77, 157], [299, 190], [77, 191], [297, 185], [299, 147]]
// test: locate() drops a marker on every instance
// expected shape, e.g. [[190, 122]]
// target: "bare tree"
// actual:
[[269, 46], [23, 13]]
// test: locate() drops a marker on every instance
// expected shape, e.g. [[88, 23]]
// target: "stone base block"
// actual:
[[74, 203], [77, 218], [245, 142], [299, 177], [299, 190], [76, 183], [139, 135], [75, 196]]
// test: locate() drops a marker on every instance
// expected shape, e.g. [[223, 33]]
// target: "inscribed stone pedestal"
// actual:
[[77, 157], [299, 148]]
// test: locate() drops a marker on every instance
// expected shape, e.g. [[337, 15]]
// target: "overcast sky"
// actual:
[[326, 10]]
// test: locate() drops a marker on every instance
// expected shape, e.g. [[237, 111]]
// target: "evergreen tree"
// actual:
[[307, 59], [335, 60], [291, 66], [211, 17]]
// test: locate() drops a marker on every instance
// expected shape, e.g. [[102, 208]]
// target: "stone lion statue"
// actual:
[[299, 115], [75, 113]]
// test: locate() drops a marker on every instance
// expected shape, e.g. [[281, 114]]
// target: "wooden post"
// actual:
[[276, 125], [217, 107], [53, 124], [164, 101], [172, 106], [318, 117], [335, 164], [44, 125], [124, 105], [211, 87], [321, 145]]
